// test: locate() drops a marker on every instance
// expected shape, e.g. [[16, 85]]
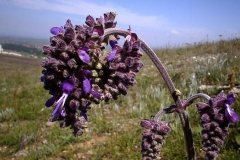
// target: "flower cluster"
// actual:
[[78, 70], [153, 138], [216, 116]]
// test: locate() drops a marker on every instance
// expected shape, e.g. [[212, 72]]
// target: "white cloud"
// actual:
[[154, 29], [175, 32], [84, 8]]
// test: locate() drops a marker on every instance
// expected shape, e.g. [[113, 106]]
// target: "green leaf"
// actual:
[[237, 137]]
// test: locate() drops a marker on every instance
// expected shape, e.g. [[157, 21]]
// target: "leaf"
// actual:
[[237, 137]]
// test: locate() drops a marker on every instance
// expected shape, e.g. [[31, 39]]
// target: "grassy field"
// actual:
[[114, 132]]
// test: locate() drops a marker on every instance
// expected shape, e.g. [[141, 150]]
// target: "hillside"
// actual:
[[113, 130], [23, 46]]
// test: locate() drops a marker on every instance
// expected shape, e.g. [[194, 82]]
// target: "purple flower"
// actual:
[[90, 21], [99, 30], [231, 116], [130, 41], [85, 76], [83, 55], [43, 78], [57, 30], [59, 110], [114, 50], [99, 27], [86, 86], [230, 99], [84, 115], [67, 86], [50, 101], [109, 20], [146, 124], [86, 73], [96, 94]]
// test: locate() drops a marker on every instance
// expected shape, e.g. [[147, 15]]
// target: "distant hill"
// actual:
[[21, 40], [27, 46], [20, 48]]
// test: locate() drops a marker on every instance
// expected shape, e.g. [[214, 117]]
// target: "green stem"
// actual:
[[183, 114]]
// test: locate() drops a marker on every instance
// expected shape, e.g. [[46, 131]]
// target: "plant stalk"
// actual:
[[182, 114]]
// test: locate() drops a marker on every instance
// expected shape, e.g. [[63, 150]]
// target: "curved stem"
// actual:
[[153, 57], [190, 100], [168, 110], [183, 114]]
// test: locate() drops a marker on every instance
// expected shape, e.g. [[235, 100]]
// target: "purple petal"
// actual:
[[88, 31], [230, 98], [42, 78], [63, 112], [89, 43], [111, 56], [96, 94], [202, 106], [112, 44], [136, 45], [56, 116], [86, 49], [205, 118], [99, 30], [99, 20], [69, 33], [219, 100], [86, 86], [90, 21], [231, 116], [57, 30], [50, 101], [68, 24], [146, 124], [129, 61], [52, 92], [47, 50], [134, 37], [86, 73], [83, 56], [67, 86], [109, 19], [84, 114], [56, 109]]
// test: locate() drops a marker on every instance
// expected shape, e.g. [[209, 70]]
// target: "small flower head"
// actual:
[[80, 71], [114, 51], [216, 116], [57, 30], [153, 138], [83, 55], [67, 86], [231, 116], [109, 20], [59, 110]]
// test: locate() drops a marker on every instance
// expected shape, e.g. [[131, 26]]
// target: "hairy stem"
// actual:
[[190, 100], [183, 114]]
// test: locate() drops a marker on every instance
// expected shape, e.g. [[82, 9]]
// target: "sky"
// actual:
[[160, 23]]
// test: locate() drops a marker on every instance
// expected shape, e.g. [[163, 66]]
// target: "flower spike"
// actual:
[[86, 71], [231, 116], [114, 50], [57, 30], [59, 110], [83, 55]]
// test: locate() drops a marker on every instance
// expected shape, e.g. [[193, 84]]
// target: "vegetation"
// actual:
[[22, 49], [114, 131]]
